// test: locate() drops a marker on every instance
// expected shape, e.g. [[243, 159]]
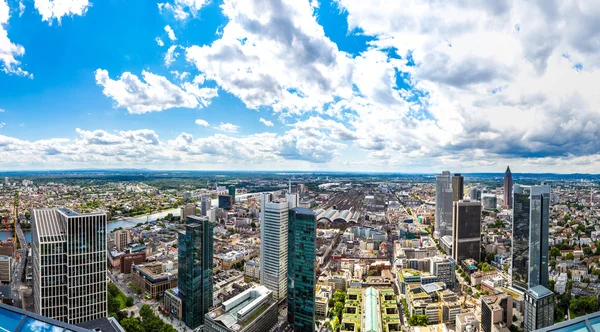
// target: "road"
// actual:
[[19, 268], [21, 235]]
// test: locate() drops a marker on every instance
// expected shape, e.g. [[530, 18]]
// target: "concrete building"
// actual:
[[458, 187], [126, 261], [253, 310], [274, 245], [5, 269], [444, 268], [8, 247], [496, 312], [301, 271], [173, 303], [489, 202], [467, 323], [187, 210], [322, 295], [475, 194], [154, 278], [195, 252], [466, 231], [539, 308], [205, 206], [69, 265], [560, 286], [508, 188], [122, 238], [252, 270], [443, 205], [530, 251]]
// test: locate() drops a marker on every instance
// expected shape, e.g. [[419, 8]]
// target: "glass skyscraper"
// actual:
[[195, 282], [443, 205], [531, 213], [302, 234]]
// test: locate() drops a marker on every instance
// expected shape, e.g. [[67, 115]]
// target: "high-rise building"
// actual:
[[443, 205], [231, 190], [205, 206], [496, 310], [187, 210], [69, 265], [443, 268], [508, 187], [122, 238], [539, 308], [302, 235], [531, 213], [466, 231], [475, 194], [6, 180], [225, 202], [274, 245], [195, 277], [458, 187]]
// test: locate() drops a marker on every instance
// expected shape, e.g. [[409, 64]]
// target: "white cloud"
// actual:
[[228, 127], [155, 93], [57, 9], [182, 9], [159, 42], [171, 55], [170, 33], [22, 124], [201, 122], [2, 124], [9, 51], [266, 122], [2, 110], [21, 8]]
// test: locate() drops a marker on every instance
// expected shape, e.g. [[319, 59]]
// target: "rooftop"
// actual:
[[540, 292], [587, 323], [238, 311], [17, 320]]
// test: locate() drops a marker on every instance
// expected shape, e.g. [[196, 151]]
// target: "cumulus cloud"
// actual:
[[57, 9], [159, 42], [228, 127], [266, 122], [202, 123], [9, 51], [182, 9], [170, 33], [171, 55], [154, 93]]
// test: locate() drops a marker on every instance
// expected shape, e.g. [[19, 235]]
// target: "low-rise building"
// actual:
[[496, 312], [5, 269], [155, 278], [172, 303], [322, 295], [252, 269], [467, 323], [127, 260]]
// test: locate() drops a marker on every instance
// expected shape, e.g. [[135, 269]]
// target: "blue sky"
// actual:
[[306, 85]]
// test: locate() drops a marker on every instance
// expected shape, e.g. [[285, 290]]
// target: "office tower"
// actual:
[[195, 277], [205, 206], [508, 187], [466, 231], [458, 187], [6, 180], [539, 308], [69, 265], [489, 202], [443, 268], [475, 194], [252, 310], [6, 263], [274, 245], [443, 205], [187, 210], [531, 213], [225, 202], [496, 309], [122, 238], [232, 193], [302, 235]]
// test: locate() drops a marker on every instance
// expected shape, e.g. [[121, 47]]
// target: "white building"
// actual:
[[69, 265]]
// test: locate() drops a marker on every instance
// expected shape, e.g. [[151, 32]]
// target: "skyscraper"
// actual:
[[508, 187], [122, 238], [539, 308], [232, 193], [466, 231], [496, 309], [195, 281], [205, 205], [458, 187], [274, 245], [69, 265], [302, 234], [531, 213], [443, 205], [225, 202]]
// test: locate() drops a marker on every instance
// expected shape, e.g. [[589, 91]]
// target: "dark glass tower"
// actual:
[[232, 193], [531, 213], [466, 231], [302, 234], [458, 187], [508, 187], [195, 282]]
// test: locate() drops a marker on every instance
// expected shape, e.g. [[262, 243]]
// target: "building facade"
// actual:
[[466, 231], [225, 202], [274, 246], [458, 187], [205, 206], [122, 238], [531, 218], [539, 308], [508, 188], [5, 269], [496, 310], [187, 210], [302, 236], [443, 205], [69, 265], [127, 260], [195, 251]]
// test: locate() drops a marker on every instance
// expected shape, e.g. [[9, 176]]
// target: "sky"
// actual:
[[340, 85]]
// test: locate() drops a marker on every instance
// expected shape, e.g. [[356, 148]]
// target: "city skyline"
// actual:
[[314, 85]]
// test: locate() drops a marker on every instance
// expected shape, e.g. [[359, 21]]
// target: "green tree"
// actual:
[[335, 324], [146, 311], [554, 252], [418, 320], [570, 256], [129, 301], [132, 325]]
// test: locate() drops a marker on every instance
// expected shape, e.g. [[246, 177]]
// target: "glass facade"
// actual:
[[531, 213], [302, 233], [225, 202], [195, 282]]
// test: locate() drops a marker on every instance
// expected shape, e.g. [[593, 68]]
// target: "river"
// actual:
[[124, 223]]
